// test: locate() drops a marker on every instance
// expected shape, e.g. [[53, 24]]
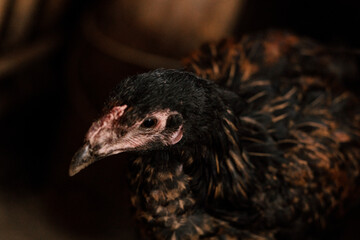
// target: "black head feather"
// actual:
[[199, 101]]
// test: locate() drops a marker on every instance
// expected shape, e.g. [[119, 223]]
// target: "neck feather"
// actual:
[[220, 168]]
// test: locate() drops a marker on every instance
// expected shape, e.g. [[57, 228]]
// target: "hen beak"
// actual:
[[82, 158], [86, 156], [95, 137]]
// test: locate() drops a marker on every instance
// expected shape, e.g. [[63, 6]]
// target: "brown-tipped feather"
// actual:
[[276, 153]]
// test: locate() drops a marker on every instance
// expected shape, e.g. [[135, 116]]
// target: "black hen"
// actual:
[[274, 146]]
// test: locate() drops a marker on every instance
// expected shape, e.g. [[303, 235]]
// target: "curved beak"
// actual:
[[82, 158], [100, 134]]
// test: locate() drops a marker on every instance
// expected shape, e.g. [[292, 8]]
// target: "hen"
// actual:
[[262, 139]]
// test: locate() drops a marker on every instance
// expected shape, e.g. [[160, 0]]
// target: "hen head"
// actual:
[[151, 111]]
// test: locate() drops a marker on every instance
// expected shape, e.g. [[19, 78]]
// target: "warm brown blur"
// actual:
[[58, 61]]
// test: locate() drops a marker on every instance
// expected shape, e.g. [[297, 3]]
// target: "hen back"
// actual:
[[271, 148], [301, 97]]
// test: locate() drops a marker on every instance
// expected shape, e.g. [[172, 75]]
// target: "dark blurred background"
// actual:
[[58, 61]]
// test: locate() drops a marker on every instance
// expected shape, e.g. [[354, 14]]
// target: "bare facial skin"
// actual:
[[108, 137]]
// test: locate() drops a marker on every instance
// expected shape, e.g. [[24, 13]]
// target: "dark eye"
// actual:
[[149, 123]]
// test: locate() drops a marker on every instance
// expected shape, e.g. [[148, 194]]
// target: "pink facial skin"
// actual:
[[103, 133], [105, 122], [177, 136]]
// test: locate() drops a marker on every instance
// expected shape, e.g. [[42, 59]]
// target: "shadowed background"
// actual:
[[58, 61]]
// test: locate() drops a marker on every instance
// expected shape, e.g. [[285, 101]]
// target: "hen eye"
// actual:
[[149, 122]]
